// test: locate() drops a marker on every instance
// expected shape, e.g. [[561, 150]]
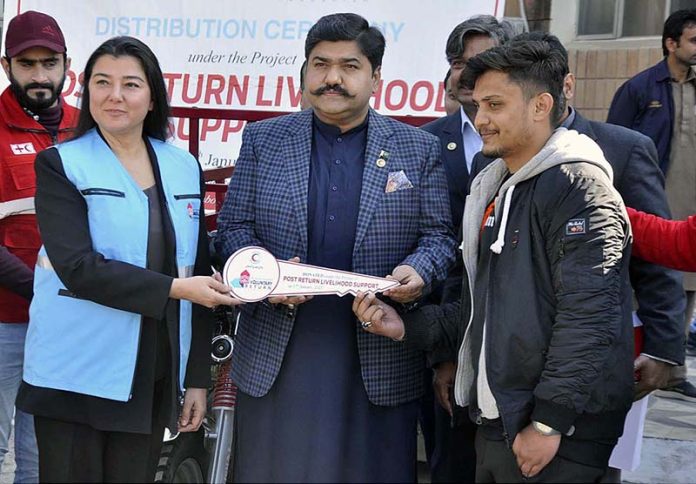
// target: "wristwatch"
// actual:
[[544, 429]]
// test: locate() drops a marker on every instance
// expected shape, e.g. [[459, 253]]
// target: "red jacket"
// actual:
[[21, 137], [671, 243]]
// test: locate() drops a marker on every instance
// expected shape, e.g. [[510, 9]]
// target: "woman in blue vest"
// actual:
[[119, 335]]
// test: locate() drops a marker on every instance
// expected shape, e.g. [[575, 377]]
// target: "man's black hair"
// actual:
[[550, 39], [348, 26], [535, 66], [303, 72], [674, 26]]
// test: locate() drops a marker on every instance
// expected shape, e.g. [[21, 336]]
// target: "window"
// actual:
[[610, 19]]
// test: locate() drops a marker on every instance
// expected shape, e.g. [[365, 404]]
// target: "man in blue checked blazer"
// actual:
[[343, 187]]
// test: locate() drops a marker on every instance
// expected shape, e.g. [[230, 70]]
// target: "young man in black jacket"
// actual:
[[543, 327], [657, 290]]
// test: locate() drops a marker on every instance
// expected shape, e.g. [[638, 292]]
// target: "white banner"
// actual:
[[246, 54]]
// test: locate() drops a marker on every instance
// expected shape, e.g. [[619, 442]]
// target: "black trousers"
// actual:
[[73, 452], [449, 442], [495, 462]]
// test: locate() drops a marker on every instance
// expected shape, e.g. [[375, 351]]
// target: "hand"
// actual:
[[383, 319], [194, 409], [654, 374], [290, 300], [443, 381], [411, 287], [534, 451], [207, 291]]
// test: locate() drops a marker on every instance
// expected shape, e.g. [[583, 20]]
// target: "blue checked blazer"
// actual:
[[266, 205]]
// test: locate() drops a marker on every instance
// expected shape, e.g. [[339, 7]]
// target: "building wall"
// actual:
[[600, 66], [599, 73]]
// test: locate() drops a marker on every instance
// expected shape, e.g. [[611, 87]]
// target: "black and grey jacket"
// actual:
[[557, 312]]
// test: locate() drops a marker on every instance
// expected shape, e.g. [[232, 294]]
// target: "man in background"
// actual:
[[33, 116], [450, 437], [659, 102]]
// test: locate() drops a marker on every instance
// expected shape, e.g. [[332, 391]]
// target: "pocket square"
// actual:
[[397, 181]]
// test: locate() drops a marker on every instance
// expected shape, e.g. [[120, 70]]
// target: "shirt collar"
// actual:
[[465, 120], [332, 131], [691, 75], [570, 119], [662, 71]]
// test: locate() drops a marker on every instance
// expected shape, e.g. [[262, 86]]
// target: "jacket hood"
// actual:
[[564, 146]]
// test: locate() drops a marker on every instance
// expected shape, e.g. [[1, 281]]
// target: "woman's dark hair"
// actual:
[[156, 121], [674, 26], [348, 26]]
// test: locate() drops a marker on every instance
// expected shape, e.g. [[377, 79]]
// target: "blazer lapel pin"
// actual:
[[382, 159]]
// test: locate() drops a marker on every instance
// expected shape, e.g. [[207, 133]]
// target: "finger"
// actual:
[[378, 316], [298, 299], [373, 314], [360, 304], [365, 304], [533, 470], [404, 290], [197, 418], [406, 285], [219, 286], [641, 386], [442, 395], [217, 276], [357, 300], [376, 326], [277, 299], [405, 278], [403, 297], [185, 417], [525, 469], [294, 259], [224, 299], [518, 457], [186, 428]]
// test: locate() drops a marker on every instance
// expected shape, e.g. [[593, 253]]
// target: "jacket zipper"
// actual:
[[41, 131], [479, 420], [103, 191], [187, 196]]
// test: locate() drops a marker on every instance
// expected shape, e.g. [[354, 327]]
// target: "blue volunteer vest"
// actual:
[[81, 346]]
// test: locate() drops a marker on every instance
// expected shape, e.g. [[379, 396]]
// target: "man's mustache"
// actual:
[[38, 85], [333, 89]]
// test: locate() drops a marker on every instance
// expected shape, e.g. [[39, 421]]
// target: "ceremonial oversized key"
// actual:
[[254, 274]]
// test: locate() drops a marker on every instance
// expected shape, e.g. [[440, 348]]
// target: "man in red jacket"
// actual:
[[33, 116]]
